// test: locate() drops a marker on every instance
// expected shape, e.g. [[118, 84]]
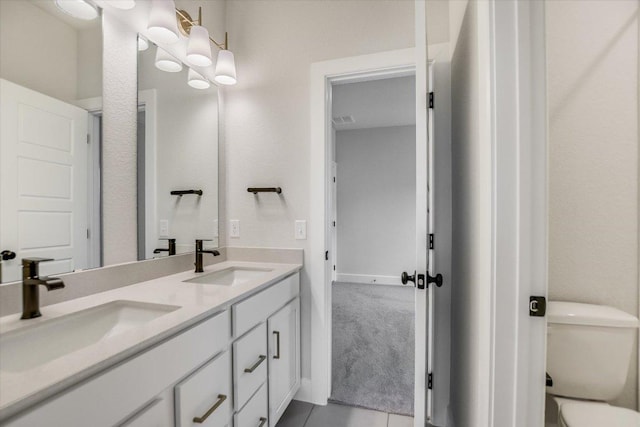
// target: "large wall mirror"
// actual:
[[177, 155], [50, 119], [50, 146]]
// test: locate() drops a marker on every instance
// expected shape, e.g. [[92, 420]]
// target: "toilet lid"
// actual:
[[585, 414]]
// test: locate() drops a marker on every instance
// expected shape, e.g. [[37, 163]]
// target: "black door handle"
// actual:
[[7, 255], [406, 278], [437, 279]]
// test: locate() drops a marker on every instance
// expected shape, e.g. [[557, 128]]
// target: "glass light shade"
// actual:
[[197, 80], [122, 4], [143, 44], [163, 24], [199, 48], [166, 62], [225, 68], [78, 9]]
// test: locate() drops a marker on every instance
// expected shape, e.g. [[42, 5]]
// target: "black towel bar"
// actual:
[[256, 190]]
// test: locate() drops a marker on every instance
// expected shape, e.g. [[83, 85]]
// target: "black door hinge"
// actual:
[[431, 100], [432, 241], [430, 381], [334, 267], [334, 223], [326, 255], [537, 306]]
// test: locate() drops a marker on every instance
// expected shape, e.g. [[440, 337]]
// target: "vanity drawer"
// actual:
[[255, 413], [249, 364], [258, 308], [206, 394]]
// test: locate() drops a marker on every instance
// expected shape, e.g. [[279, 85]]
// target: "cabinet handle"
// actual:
[[255, 365], [200, 420], [262, 421], [277, 355]]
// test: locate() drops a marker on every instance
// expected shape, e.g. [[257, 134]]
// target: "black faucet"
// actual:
[[30, 282], [171, 249], [199, 252]]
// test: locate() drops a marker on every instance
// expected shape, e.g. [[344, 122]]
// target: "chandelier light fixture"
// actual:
[[199, 48], [166, 62]]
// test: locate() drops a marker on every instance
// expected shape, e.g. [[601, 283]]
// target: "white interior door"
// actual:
[[43, 180], [424, 220]]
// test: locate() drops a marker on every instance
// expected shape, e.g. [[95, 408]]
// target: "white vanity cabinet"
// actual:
[[240, 368], [284, 358]]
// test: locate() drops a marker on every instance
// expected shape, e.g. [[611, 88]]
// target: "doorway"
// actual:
[[374, 238]]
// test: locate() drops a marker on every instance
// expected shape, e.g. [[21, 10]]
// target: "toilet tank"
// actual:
[[589, 349]]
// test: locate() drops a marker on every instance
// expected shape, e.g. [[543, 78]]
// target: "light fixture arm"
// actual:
[[186, 21]]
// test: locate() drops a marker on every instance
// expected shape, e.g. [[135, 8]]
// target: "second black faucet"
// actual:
[[200, 251]]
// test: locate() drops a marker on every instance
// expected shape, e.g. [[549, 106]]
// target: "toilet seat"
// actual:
[[596, 414]]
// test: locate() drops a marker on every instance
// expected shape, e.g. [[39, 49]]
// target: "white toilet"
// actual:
[[589, 349]]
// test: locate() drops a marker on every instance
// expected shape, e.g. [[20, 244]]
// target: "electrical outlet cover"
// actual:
[[164, 228], [301, 230], [234, 229]]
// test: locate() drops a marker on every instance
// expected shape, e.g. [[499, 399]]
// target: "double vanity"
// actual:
[[217, 348]]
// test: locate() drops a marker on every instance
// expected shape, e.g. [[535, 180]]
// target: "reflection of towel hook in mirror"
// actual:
[[256, 190], [183, 192]]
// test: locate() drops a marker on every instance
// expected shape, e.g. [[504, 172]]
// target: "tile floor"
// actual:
[[302, 414]]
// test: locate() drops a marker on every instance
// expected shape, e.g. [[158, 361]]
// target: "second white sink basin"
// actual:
[[37, 344], [230, 276]]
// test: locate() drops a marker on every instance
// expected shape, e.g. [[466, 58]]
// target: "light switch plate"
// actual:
[[234, 229], [164, 228], [301, 229]]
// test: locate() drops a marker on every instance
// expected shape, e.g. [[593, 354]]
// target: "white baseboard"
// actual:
[[371, 279]]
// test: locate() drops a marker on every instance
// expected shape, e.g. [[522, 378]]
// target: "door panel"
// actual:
[[284, 358], [43, 176]]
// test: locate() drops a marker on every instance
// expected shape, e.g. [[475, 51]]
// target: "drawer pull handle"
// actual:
[[262, 421], [255, 366], [277, 355], [200, 420]]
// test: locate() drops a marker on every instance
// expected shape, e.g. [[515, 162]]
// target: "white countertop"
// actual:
[[196, 302]]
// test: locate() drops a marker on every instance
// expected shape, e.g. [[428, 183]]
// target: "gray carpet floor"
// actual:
[[373, 347]]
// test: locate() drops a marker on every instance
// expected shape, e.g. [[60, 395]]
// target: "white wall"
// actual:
[[376, 203], [119, 125], [592, 57], [267, 112], [90, 62], [471, 246], [58, 59], [38, 50]]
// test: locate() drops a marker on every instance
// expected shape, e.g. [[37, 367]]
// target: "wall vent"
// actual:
[[343, 120]]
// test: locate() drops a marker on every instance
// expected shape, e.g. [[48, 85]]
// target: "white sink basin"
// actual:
[[230, 276], [32, 346]]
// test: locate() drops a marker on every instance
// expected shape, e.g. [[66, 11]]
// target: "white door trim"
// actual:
[[148, 100], [322, 74], [519, 211]]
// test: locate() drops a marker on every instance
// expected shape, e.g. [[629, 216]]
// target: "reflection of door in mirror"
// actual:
[[50, 96]]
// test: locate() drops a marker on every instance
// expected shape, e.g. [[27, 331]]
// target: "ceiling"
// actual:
[[375, 103]]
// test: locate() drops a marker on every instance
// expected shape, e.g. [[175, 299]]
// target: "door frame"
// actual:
[[94, 180], [323, 74], [518, 134]]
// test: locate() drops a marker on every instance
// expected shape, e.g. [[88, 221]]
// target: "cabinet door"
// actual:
[[284, 358]]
